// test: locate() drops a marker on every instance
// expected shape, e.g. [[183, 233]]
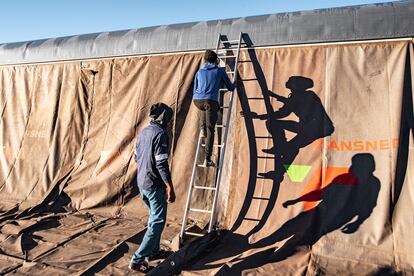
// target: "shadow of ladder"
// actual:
[[250, 196]]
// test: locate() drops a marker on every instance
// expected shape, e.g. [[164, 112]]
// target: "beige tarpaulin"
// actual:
[[325, 188]]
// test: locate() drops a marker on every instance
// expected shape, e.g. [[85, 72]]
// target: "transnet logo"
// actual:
[[322, 177], [359, 145]]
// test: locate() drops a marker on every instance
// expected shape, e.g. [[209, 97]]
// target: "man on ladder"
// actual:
[[207, 98], [207, 83]]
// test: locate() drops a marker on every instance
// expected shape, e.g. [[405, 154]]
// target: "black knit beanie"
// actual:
[[161, 114]]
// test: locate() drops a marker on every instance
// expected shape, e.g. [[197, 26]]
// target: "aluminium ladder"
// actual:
[[228, 52]]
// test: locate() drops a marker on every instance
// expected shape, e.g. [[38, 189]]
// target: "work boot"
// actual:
[[208, 163], [142, 266]]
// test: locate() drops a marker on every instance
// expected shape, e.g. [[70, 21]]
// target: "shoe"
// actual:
[[142, 266], [269, 151], [162, 254], [203, 133], [208, 163]]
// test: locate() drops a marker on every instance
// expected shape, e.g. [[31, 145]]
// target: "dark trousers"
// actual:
[[208, 119]]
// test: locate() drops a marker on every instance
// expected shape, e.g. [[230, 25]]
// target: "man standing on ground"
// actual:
[[154, 183], [206, 98]]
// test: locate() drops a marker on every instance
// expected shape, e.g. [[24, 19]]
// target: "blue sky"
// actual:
[[22, 20]]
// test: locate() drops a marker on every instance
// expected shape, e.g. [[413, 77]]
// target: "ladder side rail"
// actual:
[[218, 42], [190, 190], [224, 143], [191, 185]]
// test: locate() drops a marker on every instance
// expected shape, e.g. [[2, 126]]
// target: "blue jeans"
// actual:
[[156, 201]]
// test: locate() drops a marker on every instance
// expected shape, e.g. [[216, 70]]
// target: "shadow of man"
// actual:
[[348, 196], [313, 122]]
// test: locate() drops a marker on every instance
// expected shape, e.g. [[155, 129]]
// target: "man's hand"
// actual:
[[288, 203], [252, 115], [170, 193], [350, 228]]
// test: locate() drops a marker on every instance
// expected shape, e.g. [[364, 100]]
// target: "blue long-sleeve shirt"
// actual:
[[208, 80], [151, 156]]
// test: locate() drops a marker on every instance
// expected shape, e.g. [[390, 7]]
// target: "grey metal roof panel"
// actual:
[[374, 21]]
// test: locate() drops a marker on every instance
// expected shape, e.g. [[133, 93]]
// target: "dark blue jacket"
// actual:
[[208, 80], [151, 156]]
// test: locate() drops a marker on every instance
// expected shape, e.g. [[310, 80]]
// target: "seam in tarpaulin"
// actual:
[[390, 161], [411, 50], [177, 95], [11, 75], [110, 91], [90, 106], [392, 186], [122, 188]]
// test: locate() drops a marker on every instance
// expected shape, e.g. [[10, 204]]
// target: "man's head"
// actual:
[[363, 165], [299, 83], [210, 57], [161, 114]]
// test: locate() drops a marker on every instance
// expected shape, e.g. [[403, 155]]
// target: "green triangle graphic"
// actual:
[[297, 173]]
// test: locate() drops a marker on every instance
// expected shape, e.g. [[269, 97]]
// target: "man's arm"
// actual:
[[283, 112], [278, 97], [195, 83], [161, 161], [311, 196]]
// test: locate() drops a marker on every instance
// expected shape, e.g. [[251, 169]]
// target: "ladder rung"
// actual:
[[230, 72], [218, 126], [223, 89], [215, 145], [224, 106], [251, 219], [230, 41], [223, 57], [260, 198], [229, 48], [205, 188], [204, 166], [200, 210], [193, 234]]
